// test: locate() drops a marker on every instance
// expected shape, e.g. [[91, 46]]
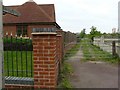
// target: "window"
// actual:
[[22, 30]]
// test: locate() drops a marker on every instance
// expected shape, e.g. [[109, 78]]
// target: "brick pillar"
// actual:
[[45, 61]]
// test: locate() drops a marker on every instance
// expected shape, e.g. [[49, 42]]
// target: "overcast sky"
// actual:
[[74, 15]]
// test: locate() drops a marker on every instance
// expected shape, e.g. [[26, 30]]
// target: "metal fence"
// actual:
[[18, 59]]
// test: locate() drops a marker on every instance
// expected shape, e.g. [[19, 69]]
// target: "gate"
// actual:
[[101, 49], [18, 60]]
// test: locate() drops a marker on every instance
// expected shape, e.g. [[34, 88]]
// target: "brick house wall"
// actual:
[[12, 28], [9, 29]]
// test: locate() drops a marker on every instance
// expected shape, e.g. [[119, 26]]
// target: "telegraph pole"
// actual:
[[1, 47]]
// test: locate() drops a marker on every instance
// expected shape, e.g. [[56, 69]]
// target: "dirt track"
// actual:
[[93, 75]]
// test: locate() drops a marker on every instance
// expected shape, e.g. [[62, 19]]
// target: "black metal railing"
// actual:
[[18, 59]]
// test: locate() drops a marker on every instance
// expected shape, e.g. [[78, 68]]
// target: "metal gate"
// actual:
[[18, 60]]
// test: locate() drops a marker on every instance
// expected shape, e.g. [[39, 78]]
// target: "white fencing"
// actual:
[[106, 44]]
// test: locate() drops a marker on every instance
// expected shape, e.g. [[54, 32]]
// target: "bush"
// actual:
[[17, 44]]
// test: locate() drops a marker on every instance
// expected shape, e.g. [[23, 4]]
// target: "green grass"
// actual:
[[72, 51], [66, 69], [92, 52], [16, 61], [105, 56], [64, 76], [86, 50]]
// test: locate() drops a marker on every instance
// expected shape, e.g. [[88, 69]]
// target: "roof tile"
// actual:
[[31, 12]]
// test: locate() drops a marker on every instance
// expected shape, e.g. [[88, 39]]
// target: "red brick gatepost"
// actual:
[[45, 59]]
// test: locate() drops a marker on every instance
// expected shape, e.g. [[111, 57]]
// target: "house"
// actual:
[[32, 16]]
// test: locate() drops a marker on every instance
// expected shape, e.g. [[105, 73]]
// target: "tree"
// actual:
[[82, 33], [94, 33]]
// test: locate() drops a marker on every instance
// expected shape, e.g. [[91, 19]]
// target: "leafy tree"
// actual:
[[94, 33], [104, 33], [82, 33]]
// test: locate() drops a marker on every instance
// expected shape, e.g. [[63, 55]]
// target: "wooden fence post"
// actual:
[[113, 48]]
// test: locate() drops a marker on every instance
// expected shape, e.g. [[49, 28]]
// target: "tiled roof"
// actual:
[[31, 12]]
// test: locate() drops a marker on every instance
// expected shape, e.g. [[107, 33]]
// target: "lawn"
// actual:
[[18, 63]]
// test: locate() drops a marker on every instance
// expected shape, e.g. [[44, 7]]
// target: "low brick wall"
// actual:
[[69, 40], [68, 46]]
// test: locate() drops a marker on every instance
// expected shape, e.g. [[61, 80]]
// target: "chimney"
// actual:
[[30, 1]]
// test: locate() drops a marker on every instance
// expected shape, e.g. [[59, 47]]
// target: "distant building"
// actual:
[[114, 30], [32, 16]]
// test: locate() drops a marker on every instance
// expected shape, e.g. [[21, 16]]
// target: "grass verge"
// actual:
[[66, 69]]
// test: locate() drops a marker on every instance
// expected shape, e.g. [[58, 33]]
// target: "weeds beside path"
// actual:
[[66, 68]]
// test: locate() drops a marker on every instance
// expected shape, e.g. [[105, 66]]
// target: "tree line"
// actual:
[[95, 33]]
